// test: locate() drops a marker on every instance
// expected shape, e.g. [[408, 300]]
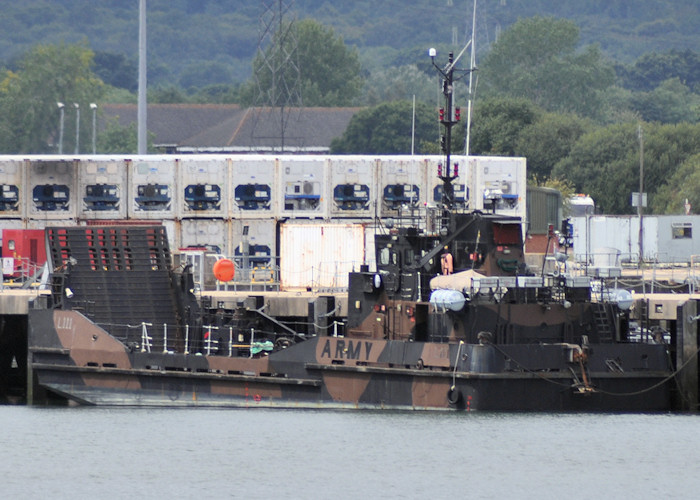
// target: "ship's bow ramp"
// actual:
[[118, 276]]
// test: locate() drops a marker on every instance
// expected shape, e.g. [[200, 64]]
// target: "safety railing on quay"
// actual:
[[270, 276], [20, 273], [223, 340]]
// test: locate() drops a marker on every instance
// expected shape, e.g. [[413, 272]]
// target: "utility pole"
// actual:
[[640, 211], [93, 107], [77, 127], [142, 118], [61, 107]]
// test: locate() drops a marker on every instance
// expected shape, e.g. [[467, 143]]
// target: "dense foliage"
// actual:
[[386, 129], [537, 59], [29, 97], [186, 34], [565, 84], [308, 58]]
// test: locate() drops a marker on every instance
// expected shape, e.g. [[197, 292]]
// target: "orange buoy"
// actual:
[[224, 270]]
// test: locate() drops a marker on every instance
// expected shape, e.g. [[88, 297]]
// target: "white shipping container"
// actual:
[[211, 234], [102, 189], [461, 191], [12, 193], [152, 190], [53, 192], [320, 255], [303, 186], [252, 188], [402, 183], [499, 182], [204, 187], [353, 186]]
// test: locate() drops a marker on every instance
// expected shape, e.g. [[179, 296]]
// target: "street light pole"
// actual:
[[640, 134], [61, 107], [142, 107], [93, 107], [77, 127]]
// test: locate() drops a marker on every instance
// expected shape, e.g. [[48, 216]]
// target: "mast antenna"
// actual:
[[472, 67], [449, 116]]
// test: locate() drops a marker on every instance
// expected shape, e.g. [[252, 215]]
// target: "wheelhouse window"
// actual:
[[507, 234], [384, 256]]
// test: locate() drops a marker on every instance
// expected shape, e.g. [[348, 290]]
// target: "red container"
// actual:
[[27, 249]]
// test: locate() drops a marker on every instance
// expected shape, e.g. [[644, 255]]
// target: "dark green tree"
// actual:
[[605, 163], [670, 102], [29, 116], [116, 139], [652, 69], [547, 141], [205, 73], [386, 129], [328, 70], [167, 95], [217, 94], [497, 124], [537, 59], [403, 82], [683, 185], [116, 70]]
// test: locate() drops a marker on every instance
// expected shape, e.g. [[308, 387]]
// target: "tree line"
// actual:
[[572, 113]]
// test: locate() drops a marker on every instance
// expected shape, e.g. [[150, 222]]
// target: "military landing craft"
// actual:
[[451, 318]]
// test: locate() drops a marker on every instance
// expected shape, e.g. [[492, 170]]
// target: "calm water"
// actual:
[[127, 453]]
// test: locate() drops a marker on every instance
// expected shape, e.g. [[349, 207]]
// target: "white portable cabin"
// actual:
[[666, 238]]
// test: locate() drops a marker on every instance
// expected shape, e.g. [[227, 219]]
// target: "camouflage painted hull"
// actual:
[[73, 358]]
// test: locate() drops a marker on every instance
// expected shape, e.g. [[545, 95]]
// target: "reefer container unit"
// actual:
[[53, 189], [353, 184], [102, 189], [459, 168], [498, 183], [402, 184], [211, 234], [253, 242], [303, 186], [253, 182], [320, 255], [248, 186], [204, 187], [153, 192], [12, 193]]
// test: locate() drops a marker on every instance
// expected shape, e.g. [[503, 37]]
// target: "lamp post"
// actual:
[[77, 127], [142, 107], [93, 107], [61, 107], [640, 210]]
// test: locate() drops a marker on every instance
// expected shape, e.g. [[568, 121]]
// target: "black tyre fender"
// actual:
[[454, 396]]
